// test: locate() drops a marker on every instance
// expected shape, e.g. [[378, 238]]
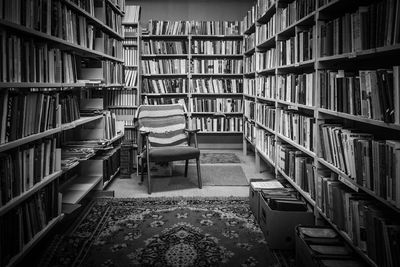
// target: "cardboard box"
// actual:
[[279, 226], [256, 185], [306, 257], [161, 169]]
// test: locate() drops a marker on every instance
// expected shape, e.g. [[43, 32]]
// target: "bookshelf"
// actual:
[[341, 88], [198, 64], [46, 65]]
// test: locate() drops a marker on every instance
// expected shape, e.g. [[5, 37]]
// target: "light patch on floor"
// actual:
[[128, 188]]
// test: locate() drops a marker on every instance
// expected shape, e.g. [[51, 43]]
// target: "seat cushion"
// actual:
[[173, 153]]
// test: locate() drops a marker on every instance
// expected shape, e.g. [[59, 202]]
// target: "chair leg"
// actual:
[[186, 167], [199, 173], [148, 178], [141, 171]]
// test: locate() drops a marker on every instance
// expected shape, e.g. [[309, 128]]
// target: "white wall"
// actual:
[[192, 9]]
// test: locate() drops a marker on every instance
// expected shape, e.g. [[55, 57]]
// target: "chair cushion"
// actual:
[[173, 153]]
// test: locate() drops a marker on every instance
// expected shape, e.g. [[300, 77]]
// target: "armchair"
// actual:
[[164, 138]]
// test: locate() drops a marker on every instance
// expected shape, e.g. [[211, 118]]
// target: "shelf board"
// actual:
[[266, 71], [28, 246], [218, 74], [217, 113], [253, 73], [360, 119], [295, 105], [297, 66], [218, 94], [164, 36], [266, 99], [265, 127], [163, 55], [79, 188], [111, 178], [347, 239], [293, 143], [267, 14], [248, 140], [40, 85], [133, 35], [93, 19], [164, 94], [165, 75], [218, 55], [129, 45], [210, 36], [77, 48], [270, 42], [251, 29], [250, 51], [115, 7], [131, 66], [265, 157], [249, 96], [307, 20], [130, 127], [304, 194], [25, 195], [130, 23]]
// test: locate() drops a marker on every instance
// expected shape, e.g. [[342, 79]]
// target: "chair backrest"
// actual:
[[166, 124]]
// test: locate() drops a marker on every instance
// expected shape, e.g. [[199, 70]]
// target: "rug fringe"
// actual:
[[174, 198]]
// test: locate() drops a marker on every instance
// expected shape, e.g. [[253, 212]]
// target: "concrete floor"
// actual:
[[130, 188]]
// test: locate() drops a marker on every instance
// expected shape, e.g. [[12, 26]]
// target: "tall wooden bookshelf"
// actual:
[[328, 92], [178, 67], [45, 64]]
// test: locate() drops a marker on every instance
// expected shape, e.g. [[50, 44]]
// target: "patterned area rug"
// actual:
[[164, 232], [212, 158]]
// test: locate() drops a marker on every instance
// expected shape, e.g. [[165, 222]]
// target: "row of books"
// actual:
[[297, 166], [293, 12], [370, 26], [266, 86], [372, 94], [218, 47], [157, 86], [131, 56], [131, 77], [249, 131], [111, 162], [69, 105], [367, 224], [215, 27], [110, 130], [249, 109], [123, 112], [220, 124], [165, 66], [250, 64], [371, 163], [107, 45], [216, 105], [216, 86], [296, 88], [24, 114], [157, 27], [267, 59], [70, 155], [109, 17], [266, 30], [265, 142], [130, 41], [296, 49], [25, 60], [130, 31], [263, 6], [155, 47], [218, 66], [131, 135], [106, 72], [21, 225], [249, 42], [297, 127], [249, 19], [24, 167], [265, 115], [249, 87], [165, 100], [121, 98], [132, 14]]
